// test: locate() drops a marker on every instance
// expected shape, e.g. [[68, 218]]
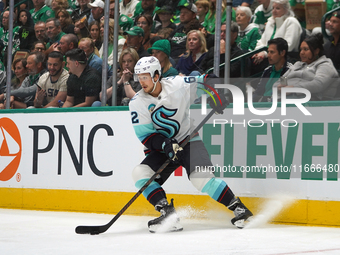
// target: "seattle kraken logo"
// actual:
[[169, 127]]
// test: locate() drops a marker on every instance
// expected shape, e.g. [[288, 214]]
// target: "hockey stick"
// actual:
[[95, 230]]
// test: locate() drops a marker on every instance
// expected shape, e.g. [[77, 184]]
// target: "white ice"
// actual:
[[43, 233]]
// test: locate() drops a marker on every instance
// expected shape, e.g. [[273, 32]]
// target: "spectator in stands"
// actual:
[[38, 46], [24, 96], [40, 31], [82, 11], [262, 13], [144, 21], [84, 82], [209, 21], [235, 51], [332, 47], [134, 40], [4, 36], [52, 84], [26, 34], [165, 14], [314, 72], [196, 25], [54, 33], [121, 41], [65, 20], [178, 37], [94, 29], [97, 10], [126, 86], [161, 50], [81, 28], [202, 9], [196, 50], [24, 19], [127, 7], [41, 12], [164, 33], [246, 3], [87, 45], [248, 32], [68, 42], [277, 58], [281, 24], [112, 9], [125, 22], [145, 7], [20, 71], [58, 5]]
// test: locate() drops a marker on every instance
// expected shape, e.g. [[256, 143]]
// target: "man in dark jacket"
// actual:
[[235, 51], [277, 58]]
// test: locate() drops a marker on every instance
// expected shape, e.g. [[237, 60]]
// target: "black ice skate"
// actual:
[[241, 212], [168, 221]]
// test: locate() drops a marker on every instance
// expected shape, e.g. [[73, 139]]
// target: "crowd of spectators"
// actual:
[[58, 54]]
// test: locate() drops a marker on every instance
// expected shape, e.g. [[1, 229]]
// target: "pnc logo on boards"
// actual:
[[10, 149]]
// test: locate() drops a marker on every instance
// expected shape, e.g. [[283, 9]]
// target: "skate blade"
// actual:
[[163, 228], [242, 223]]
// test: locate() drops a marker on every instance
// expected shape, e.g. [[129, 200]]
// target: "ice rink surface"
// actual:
[[42, 233]]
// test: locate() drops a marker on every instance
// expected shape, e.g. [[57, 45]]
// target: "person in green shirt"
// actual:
[[161, 50], [53, 32], [145, 7], [41, 12], [4, 33], [209, 21], [277, 58], [262, 13], [249, 32]]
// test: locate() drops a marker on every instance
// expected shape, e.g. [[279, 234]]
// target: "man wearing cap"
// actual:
[[235, 51], [127, 7], [134, 40], [41, 12], [178, 37], [165, 14], [84, 82], [332, 47], [161, 50], [97, 10]]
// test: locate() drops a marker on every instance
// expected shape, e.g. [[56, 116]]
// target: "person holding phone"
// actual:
[[52, 85]]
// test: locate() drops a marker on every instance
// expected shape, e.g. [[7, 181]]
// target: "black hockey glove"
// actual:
[[216, 104], [172, 149]]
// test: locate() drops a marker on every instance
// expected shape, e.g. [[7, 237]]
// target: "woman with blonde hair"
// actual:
[[196, 50], [161, 50], [126, 86], [283, 24], [121, 41]]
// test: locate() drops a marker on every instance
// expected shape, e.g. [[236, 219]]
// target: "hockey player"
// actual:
[[161, 120]]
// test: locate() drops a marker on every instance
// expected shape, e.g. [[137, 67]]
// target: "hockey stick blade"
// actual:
[[95, 230]]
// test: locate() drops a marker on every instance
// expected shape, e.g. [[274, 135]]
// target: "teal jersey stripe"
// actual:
[[153, 185], [214, 188], [144, 130]]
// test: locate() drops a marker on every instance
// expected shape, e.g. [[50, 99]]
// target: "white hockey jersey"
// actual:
[[167, 114]]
